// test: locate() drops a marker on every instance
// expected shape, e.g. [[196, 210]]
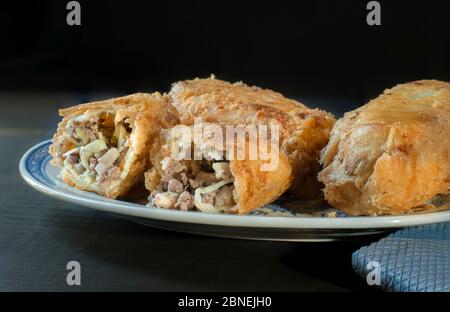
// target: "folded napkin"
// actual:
[[409, 260]]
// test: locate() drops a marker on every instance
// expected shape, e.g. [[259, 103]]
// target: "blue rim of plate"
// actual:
[[33, 164]]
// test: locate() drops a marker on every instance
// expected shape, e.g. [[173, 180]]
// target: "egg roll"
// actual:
[[103, 146], [303, 131], [392, 155], [211, 181]]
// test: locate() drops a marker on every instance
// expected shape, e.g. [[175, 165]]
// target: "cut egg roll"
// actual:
[[392, 155], [103, 146], [211, 181], [303, 131]]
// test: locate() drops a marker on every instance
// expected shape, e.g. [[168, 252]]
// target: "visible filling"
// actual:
[[95, 147], [195, 185]]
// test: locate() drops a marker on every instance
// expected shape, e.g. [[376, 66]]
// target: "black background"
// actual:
[[300, 48]]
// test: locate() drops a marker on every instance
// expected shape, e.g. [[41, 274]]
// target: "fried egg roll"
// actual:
[[211, 181], [391, 155], [303, 131], [103, 146]]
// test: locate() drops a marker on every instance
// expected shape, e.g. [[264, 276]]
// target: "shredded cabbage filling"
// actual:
[[94, 147], [195, 185]]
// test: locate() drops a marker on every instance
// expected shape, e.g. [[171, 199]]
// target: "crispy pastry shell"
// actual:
[[253, 187], [145, 113], [303, 131], [392, 154]]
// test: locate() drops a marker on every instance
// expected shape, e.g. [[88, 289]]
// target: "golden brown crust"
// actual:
[[253, 187], [256, 188], [146, 113], [392, 154], [303, 131]]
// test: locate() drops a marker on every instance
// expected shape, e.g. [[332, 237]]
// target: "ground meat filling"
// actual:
[[97, 147], [195, 185]]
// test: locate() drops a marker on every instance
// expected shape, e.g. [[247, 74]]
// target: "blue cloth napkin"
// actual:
[[415, 259]]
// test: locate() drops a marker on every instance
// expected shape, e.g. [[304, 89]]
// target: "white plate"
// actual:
[[286, 219]]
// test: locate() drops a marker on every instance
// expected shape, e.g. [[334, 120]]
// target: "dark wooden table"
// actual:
[[40, 235]]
